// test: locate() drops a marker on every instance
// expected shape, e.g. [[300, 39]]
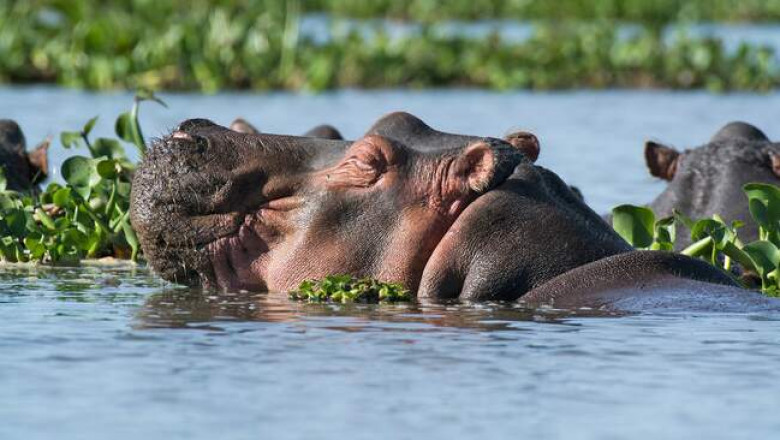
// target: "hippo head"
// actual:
[[708, 179], [404, 203]]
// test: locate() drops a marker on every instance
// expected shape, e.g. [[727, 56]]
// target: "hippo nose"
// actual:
[[192, 142]]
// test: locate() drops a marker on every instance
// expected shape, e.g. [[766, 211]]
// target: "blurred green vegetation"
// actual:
[[214, 45], [648, 11]]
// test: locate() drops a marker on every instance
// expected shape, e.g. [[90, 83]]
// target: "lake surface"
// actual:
[[113, 352]]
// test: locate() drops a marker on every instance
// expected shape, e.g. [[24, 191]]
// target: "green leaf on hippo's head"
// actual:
[[81, 174], [88, 126], [634, 224], [765, 256], [110, 148], [70, 139]]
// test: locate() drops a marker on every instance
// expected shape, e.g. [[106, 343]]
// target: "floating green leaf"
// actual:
[[345, 288]]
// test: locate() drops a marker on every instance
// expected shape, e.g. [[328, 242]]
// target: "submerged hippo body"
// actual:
[[708, 179], [22, 170], [449, 216]]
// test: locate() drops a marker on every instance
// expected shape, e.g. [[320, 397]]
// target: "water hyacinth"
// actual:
[[347, 289], [715, 240], [89, 216], [211, 46]]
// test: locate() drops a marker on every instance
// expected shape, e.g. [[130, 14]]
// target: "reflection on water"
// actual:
[[182, 308], [113, 352]]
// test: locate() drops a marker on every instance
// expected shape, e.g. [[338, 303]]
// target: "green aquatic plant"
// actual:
[[713, 239], [88, 216], [216, 45], [347, 289]]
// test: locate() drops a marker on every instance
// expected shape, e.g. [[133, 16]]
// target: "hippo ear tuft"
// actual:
[[774, 161], [661, 160]]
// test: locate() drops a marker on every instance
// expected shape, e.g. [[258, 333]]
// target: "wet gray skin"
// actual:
[[450, 216], [708, 179], [23, 170]]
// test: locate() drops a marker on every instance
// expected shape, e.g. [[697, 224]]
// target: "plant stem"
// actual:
[[697, 248]]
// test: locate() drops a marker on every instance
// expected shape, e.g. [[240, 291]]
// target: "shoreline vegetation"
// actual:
[[218, 45]]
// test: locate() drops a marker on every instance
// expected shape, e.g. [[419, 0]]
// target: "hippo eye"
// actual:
[[364, 164]]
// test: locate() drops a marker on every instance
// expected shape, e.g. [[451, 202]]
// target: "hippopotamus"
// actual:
[[324, 131], [452, 217], [23, 170], [708, 179]]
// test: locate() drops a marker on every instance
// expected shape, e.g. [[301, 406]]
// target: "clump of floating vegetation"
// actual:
[[657, 11], [88, 216], [715, 240], [215, 45], [348, 289]]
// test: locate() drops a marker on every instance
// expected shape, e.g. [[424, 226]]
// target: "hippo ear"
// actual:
[[661, 160], [242, 126], [39, 162], [364, 163], [476, 166], [525, 142], [774, 162]]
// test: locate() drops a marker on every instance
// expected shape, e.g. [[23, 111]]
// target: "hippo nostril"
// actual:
[[181, 139]]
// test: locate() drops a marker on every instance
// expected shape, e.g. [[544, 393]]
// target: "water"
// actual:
[[113, 352]]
